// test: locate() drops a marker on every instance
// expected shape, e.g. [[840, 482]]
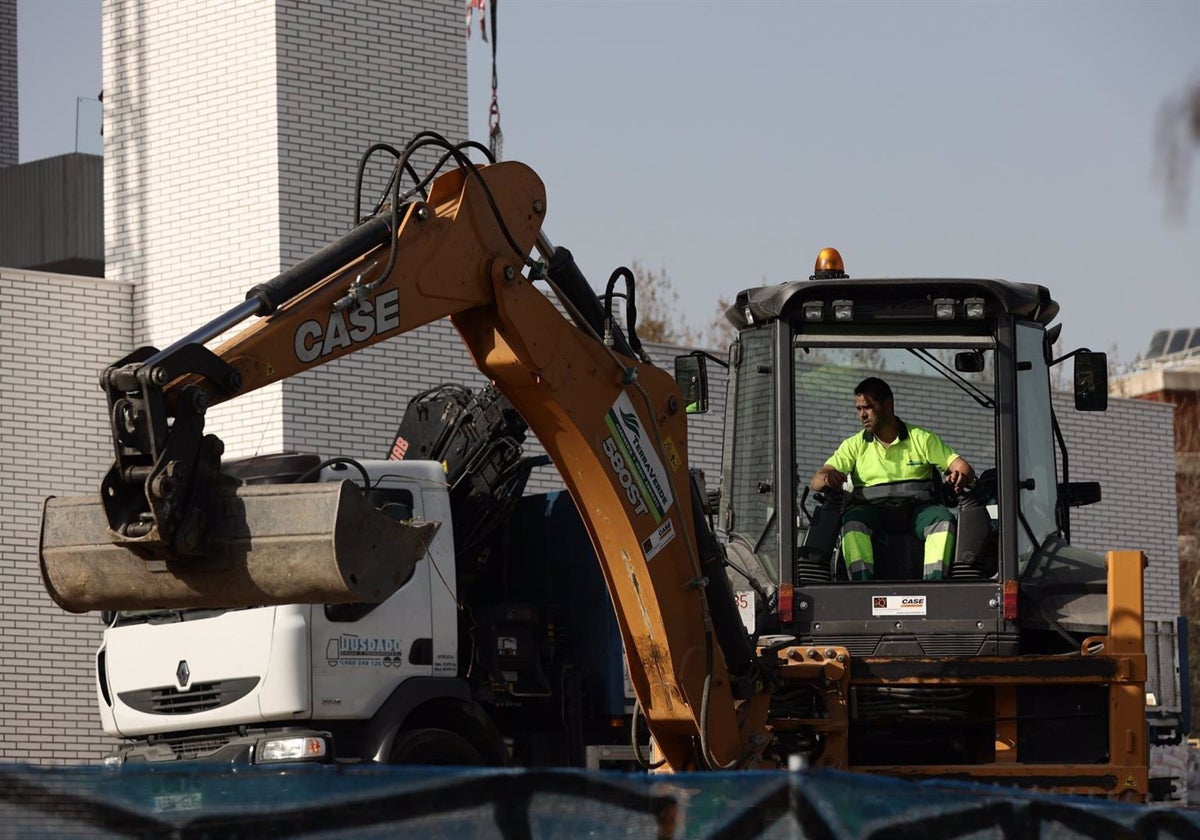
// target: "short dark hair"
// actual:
[[875, 388]]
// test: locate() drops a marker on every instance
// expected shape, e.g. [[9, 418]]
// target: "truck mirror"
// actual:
[[1091, 381], [691, 375], [969, 361]]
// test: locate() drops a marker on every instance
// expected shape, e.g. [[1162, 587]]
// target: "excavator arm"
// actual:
[[613, 425]]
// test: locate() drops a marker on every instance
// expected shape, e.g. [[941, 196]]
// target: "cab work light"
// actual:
[[973, 308], [843, 310], [943, 309], [814, 310]]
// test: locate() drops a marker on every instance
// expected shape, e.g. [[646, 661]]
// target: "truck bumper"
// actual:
[[275, 746]]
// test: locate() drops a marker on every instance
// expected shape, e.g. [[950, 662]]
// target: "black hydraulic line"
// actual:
[[625, 274], [566, 275], [311, 270]]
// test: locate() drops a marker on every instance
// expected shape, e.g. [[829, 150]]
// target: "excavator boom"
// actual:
[[614, 426]]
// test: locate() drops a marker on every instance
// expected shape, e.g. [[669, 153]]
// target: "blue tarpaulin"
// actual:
[[208, 801]]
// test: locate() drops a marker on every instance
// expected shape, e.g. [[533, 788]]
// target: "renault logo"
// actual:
[[183, 673]]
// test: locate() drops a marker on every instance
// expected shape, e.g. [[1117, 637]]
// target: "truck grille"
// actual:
[[201, 697], [190, 748]]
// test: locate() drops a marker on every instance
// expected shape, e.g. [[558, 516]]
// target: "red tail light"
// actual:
[[785, 603], [1010, 600]]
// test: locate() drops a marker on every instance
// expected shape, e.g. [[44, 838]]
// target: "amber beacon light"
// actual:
[[829, 265]]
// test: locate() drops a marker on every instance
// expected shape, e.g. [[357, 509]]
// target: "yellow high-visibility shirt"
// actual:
[[911, 457]]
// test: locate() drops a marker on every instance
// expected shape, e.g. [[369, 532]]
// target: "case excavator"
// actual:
[[746, 644]]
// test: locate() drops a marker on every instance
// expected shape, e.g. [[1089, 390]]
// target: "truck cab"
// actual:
[[235, 684]]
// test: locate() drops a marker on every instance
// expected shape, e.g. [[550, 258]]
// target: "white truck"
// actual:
[[502, 650]]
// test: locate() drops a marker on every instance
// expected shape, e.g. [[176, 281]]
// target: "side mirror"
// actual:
[[969, 361], [1091, 381], [691, 374], [1079, 493]]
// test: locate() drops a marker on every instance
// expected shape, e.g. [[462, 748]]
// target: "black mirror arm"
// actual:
[[722, 362], [1074, 352]]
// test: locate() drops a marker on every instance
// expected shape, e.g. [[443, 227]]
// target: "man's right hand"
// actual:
[[827, 478]]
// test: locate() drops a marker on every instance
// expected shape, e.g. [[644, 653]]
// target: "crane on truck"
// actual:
[[1024, 666]]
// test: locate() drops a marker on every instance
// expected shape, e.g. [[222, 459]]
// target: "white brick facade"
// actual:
[[191, 165], [232, 137], [56, 334], [352, 74]]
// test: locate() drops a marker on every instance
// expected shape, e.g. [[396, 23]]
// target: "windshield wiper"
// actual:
[[969, 388]]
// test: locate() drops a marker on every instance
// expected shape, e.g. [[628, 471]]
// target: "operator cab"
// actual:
[[968, 360]]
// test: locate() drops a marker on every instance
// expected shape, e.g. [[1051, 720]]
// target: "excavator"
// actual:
[[746, 644]]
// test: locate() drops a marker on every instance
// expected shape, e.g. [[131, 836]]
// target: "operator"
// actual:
[[891, 463]]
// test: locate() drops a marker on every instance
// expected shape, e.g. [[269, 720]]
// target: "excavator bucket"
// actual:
[[272, 544]]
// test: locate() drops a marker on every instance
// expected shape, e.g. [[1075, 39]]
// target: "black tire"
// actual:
[[439, 747]]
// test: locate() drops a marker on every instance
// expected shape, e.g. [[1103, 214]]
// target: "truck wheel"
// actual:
[[434, 746]]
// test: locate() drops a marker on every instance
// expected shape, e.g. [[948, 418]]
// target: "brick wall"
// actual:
[[56, 334], [351, 74], [9, 137], [1127, 450], [191, 168]]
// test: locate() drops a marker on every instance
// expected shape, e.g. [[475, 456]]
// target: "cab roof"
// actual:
[[768, 303]]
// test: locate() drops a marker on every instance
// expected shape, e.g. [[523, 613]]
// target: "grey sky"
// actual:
[[728, 142], [58, 64]]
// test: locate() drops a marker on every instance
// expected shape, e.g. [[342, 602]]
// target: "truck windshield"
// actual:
[[944, 385]]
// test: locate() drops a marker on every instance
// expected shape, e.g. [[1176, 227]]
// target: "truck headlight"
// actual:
[[295, 748], [113, 760]]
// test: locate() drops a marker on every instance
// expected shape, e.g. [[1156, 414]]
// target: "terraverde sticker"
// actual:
[[898, 605], [635, 462]]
